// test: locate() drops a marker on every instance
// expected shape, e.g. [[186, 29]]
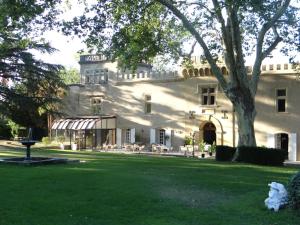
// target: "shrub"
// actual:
[[261, 155], [188, 140], [201, 146], [5, 132], [46, 140], [224, 153], [61, 139], [293, 189]]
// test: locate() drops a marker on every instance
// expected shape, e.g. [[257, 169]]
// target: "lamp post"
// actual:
[[192, 134], [193, 143]]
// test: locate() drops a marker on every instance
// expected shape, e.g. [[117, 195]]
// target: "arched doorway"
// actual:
[[209, 133], [282, 142]]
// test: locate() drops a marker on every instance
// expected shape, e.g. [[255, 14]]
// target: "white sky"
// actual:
[[67, 47]]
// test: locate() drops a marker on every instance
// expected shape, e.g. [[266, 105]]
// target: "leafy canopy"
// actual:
[[28, 86], [135, 31]]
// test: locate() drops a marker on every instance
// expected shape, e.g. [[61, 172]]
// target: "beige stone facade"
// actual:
[[151, 107]]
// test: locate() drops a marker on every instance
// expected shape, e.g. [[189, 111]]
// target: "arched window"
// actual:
[[185, 73], [201, 72], [191, 72], [224, 70], [206, 72], [196, 72]]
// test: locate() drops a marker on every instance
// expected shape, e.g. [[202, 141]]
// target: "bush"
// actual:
[[224, 153], [5, 132], [293, 189], [188, 140], [46, 140], [261, 155]]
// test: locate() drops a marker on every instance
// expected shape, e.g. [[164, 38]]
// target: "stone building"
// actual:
[[111, 106]]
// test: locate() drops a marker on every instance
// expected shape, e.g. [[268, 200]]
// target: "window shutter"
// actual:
[[152, 136], [168, 138], [293, 147], [271, 140], [119, 137], [132, 135]]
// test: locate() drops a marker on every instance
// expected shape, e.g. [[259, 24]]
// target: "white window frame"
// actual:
[[96, 104], [128, 135], [281, 98], [162, 137], [208, 95]]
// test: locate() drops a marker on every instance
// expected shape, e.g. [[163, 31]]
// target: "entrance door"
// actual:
[[282, 142], [209, 133]]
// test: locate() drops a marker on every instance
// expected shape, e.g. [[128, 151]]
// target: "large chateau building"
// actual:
[[114, 107]]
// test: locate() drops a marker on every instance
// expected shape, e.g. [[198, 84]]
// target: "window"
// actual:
[[88, 74], [162, 134], [103, 76], [281, 100], [128, 136], [98, 76], [278, 67], [208, 96], [96, 105], [147, 104]]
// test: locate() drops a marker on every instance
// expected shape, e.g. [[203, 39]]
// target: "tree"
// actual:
[[28, 87], [70, 76], [133, 31]]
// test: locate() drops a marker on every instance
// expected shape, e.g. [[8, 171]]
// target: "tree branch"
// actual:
[[168, 4], [192, 49], [260, 40], [239, 65]]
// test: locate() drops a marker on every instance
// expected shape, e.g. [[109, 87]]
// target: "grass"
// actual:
[[138, 190]]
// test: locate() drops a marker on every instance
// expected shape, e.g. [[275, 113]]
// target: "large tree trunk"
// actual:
[[244, 107], [245, 119]]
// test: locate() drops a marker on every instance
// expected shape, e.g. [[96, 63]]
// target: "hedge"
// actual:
[[4, 131], [261, 155], [293, 189], [224, 153]]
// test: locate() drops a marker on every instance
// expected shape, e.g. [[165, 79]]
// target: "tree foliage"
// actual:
[[133, 31], [70, 76], [28, 86]]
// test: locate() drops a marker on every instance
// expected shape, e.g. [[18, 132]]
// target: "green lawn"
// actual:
[[138, 190]]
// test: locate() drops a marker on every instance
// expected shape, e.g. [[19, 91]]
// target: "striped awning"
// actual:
[[74, 124]]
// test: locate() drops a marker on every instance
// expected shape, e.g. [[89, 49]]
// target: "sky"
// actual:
[[67, 47]]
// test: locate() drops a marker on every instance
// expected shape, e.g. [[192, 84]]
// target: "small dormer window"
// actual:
[[281, 98], [208, 96], [96, 105]]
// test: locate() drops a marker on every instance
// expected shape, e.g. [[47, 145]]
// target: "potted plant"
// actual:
[[202, 148], [74, 145], [188, 140], [212, 149], [61, 140]]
